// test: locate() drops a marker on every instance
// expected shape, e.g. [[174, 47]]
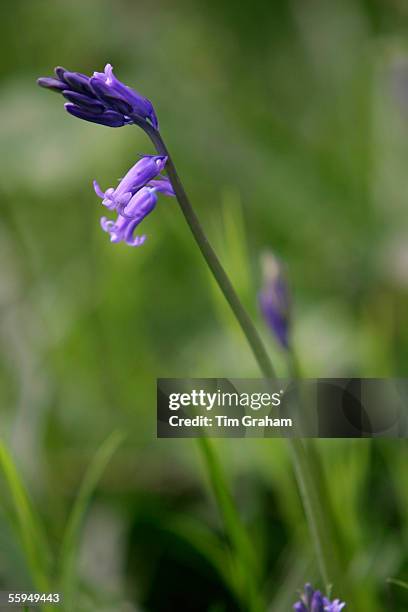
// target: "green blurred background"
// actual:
[[288, 122]]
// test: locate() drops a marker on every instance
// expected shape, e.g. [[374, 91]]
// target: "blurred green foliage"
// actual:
[[288, 122]]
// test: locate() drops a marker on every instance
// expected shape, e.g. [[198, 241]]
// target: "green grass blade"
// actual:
[[30, 532], [208, 545], [245, 557], [400, 583], [70, 542]]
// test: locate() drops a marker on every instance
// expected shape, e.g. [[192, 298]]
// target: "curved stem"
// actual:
[[212, 260], [302, 465], [312, 507], [311, 488]]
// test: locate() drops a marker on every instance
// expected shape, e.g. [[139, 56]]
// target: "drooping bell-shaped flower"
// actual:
[[138, 176], [134, 198], [140, 205], [130, 216]]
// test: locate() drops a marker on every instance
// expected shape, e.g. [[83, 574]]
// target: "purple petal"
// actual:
[[110, 87], [98, 190], [84, 101], [313, 601], [79, 82], [136, 241], [130, 228], [60, 71], [162, 185], [335, 606], [106, 94], [107, 224], [51, 83], [308, 593], [153, 119], [317, 603], [276, 320], [108, 118], [141, 173], [141, 204], [121, 202]]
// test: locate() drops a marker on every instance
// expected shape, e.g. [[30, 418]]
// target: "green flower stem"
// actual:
[[212, 260], [302, 465], [313, 509], [312, 489]]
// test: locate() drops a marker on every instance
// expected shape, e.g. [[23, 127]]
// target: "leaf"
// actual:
[[70, 542], [30, 531]]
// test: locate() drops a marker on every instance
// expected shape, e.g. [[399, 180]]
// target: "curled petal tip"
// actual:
[[60, 71], [107, 224], [137, 241], [109, 203], [163, 185], [153, 120], [98, 190]]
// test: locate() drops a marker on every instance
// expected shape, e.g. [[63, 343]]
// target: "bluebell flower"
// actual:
[[134, 198], [101, 98], [274, 299], [138, 176], [120, 97], [314, 601]]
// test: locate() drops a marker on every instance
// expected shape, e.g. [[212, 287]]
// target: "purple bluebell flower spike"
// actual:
[[104, 99], [314, 601], [117, 99], [124, 106], [274, 299], [101, 98]]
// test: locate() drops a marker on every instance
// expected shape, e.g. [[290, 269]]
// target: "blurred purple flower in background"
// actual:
[[134, 198], [274, 299], [101, 98], [314, 601]]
